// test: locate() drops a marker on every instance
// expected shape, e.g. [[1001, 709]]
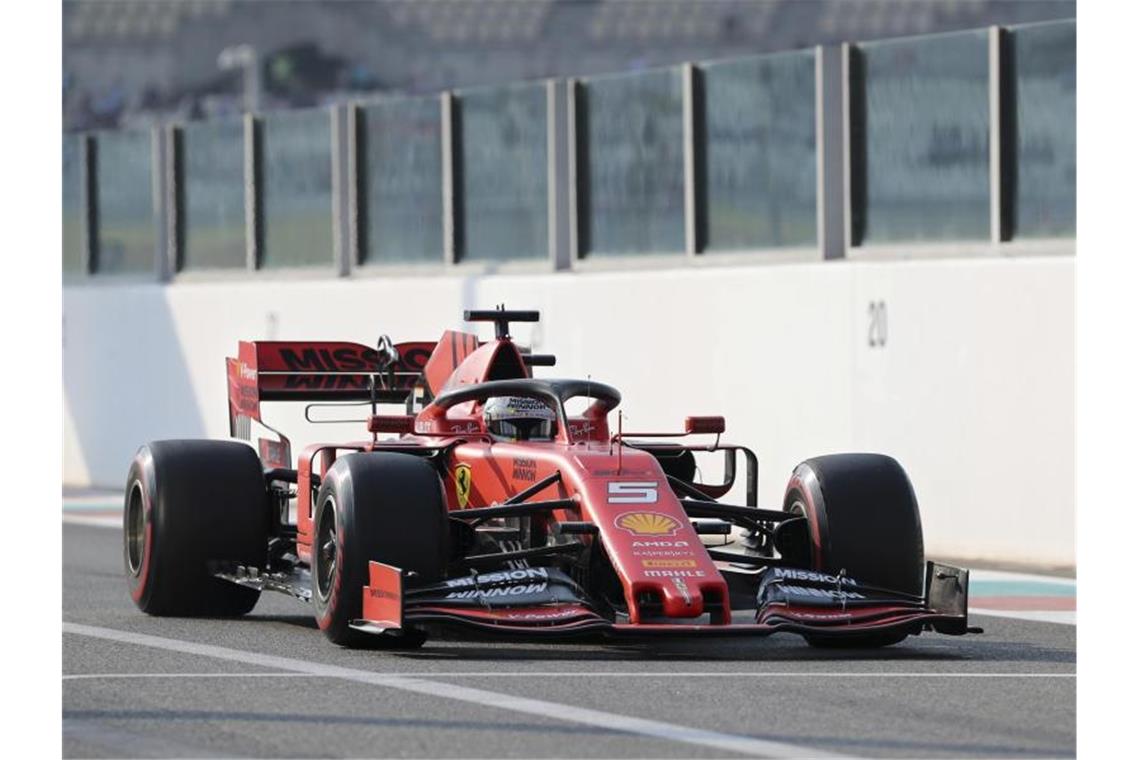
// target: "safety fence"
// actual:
[[960, 144]]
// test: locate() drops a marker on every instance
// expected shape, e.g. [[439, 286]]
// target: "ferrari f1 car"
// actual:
[[487, 504]]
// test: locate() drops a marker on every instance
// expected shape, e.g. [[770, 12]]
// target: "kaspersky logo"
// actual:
[[647, 524]]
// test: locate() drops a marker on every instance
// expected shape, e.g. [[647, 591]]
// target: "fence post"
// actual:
[[1001, 140], [693, 151], [447, 164], [175, 200], [89, 202], [253, 221], [831, 137], [573, 156], [340, 117], [854, 146], [557, 175], [355, 177], [160, 164]]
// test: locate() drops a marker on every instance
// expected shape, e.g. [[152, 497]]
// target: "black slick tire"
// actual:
[[191, 504], [863, 520], [378, 506]]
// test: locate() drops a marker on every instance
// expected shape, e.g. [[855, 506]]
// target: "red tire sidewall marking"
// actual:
[[148, 534], [325, 620], [796, 484]]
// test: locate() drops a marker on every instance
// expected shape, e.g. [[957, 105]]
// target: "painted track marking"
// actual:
[[1037, 616], [94, 521], [554, 674], [120, 743], [96, 676], [745, 745]]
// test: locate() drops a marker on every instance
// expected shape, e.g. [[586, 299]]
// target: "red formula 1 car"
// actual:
[[490, 505]]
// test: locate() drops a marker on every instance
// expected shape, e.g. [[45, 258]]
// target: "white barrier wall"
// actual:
[[960, 368]]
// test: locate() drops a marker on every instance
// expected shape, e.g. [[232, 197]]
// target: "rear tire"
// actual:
[[189, 504], [377, 506], [862, 519]]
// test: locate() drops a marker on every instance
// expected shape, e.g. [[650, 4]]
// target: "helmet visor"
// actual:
[[522, 429]]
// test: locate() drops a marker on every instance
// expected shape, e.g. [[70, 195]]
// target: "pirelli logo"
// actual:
[[659, 563]]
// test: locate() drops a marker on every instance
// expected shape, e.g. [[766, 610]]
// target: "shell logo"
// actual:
[[647, 523]]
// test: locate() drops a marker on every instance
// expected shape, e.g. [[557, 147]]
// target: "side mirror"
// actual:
[[704, 425]]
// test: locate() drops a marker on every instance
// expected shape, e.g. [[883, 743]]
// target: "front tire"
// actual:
[[862, 519], [189, 504], [377, 506]]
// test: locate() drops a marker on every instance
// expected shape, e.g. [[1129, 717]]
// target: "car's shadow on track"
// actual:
[[300, 621], [774, 649], [445, 645]]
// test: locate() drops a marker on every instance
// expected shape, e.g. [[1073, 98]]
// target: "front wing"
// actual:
[[546, 602]]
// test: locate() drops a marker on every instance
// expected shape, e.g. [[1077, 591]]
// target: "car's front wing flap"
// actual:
[[545, 601]]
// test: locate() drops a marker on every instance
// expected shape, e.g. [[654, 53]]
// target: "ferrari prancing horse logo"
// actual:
[[462, 484]]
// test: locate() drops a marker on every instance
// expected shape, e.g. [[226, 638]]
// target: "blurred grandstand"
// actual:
[[137, 62]]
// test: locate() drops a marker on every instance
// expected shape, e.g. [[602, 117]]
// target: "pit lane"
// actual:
[[270, 685]]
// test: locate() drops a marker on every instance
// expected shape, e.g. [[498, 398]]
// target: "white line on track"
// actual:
[[1062, 617], [102, 505], [745, 745], [94, 521], [97, 676], [1005, 575], [587, 674], [108, 499]]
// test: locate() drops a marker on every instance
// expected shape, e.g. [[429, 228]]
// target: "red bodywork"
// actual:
[[645, 532]]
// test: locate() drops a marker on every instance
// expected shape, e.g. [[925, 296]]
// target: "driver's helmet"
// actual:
[[518, 418]]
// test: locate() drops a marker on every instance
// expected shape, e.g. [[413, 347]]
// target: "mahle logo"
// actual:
[[462, 484]]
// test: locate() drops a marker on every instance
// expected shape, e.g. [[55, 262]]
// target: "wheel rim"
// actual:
[[799, 509], [136, 529], [325, 549]]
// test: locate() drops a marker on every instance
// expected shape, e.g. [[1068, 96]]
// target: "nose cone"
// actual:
[[650, 541], [679, 600], [662, 560]]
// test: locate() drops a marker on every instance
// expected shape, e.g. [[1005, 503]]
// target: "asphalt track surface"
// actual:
[[270, 685]]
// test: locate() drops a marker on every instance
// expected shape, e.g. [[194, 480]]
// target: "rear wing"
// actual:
[[411, 373], [274, 370]]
